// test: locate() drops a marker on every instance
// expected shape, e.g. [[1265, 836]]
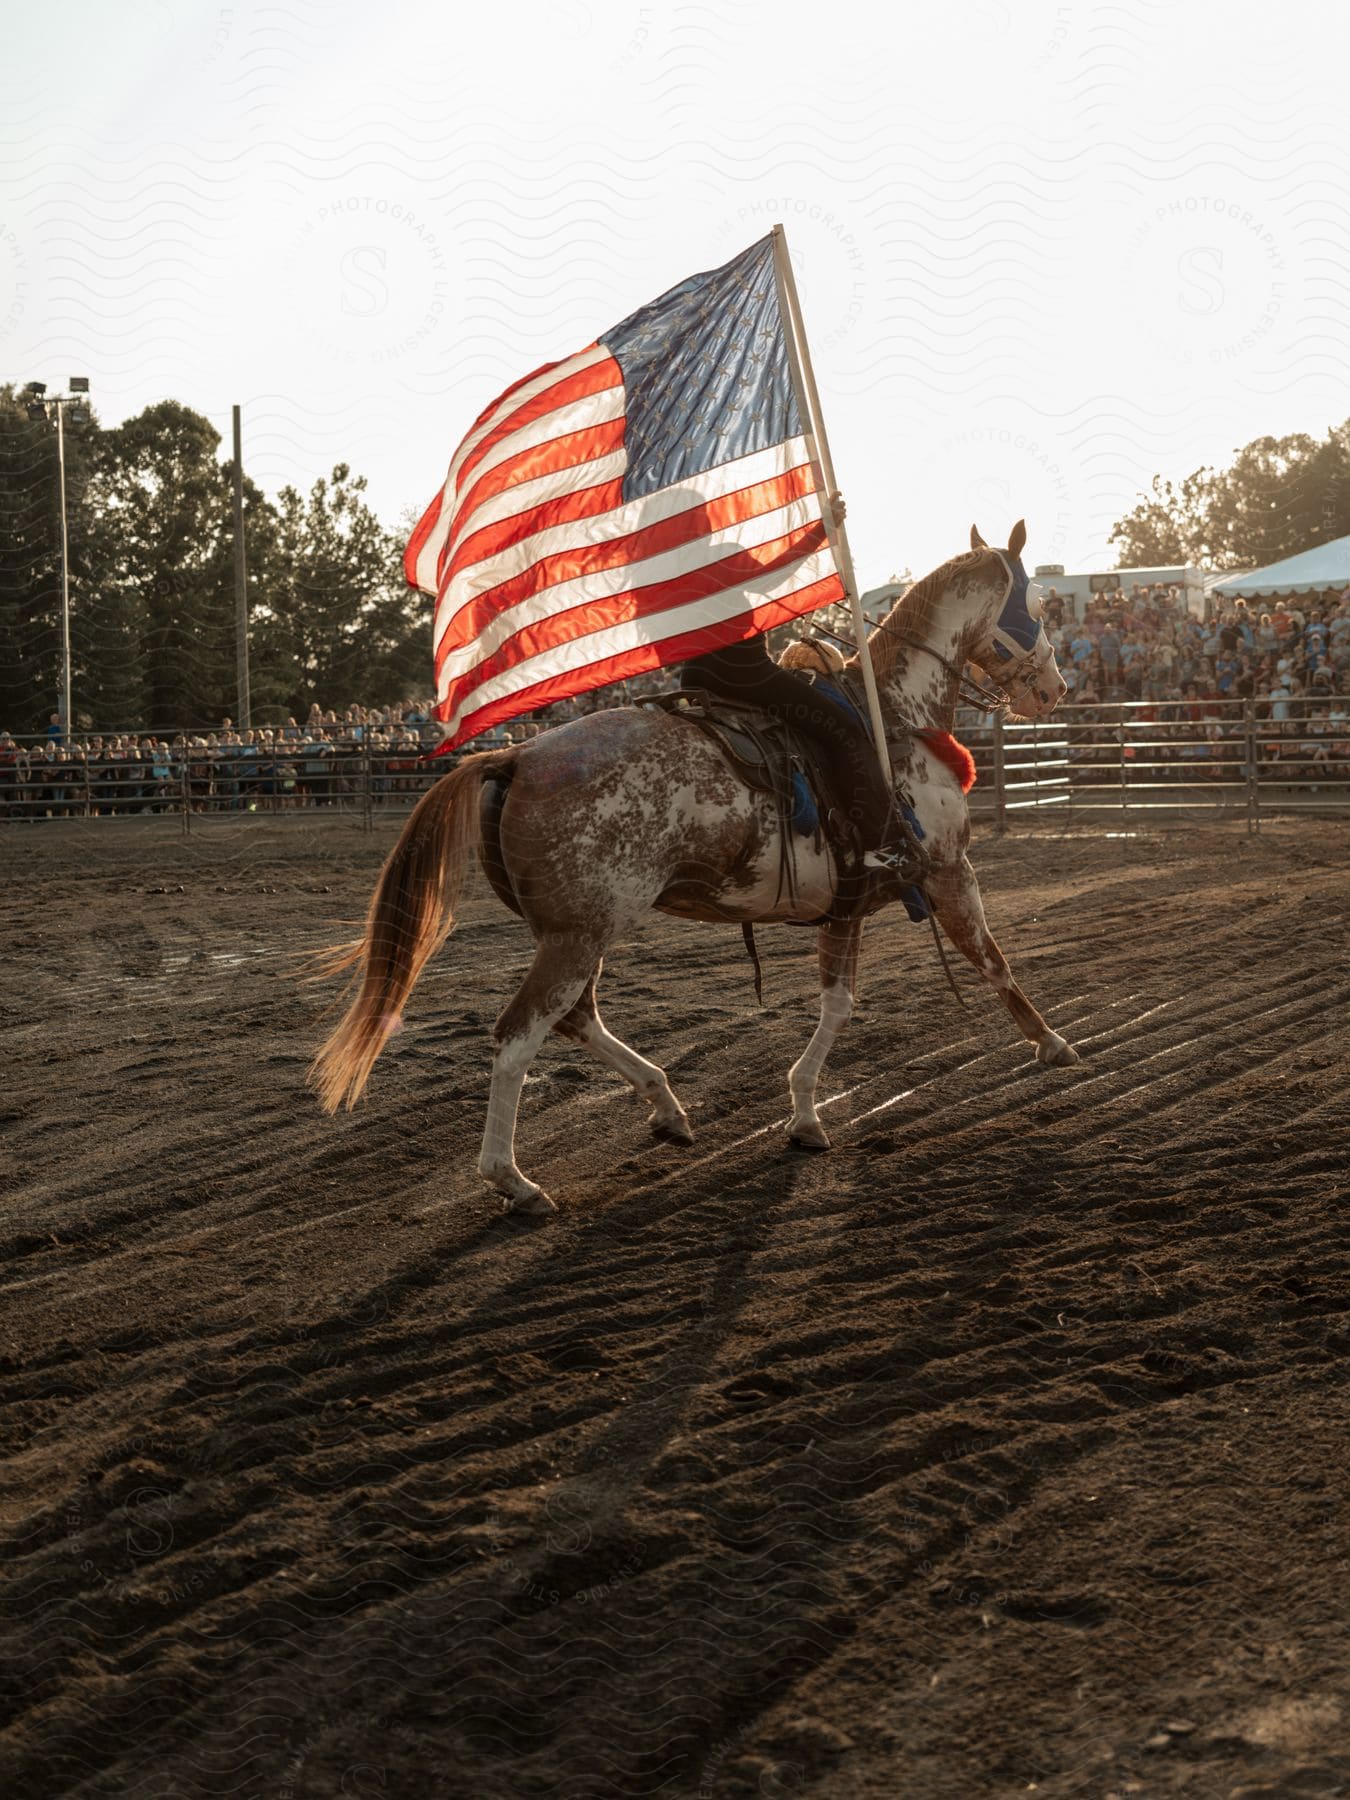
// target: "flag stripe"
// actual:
[[555, 502], [480, 712], [566, 448], [720, 607], [652, 558], [516, 396], [596, 378], [738, 568], [481, 564], [424, 547]]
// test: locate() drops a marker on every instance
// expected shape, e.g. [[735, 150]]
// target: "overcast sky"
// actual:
[[1043, 250]]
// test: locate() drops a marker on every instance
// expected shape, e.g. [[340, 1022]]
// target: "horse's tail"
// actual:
[[410, 917]]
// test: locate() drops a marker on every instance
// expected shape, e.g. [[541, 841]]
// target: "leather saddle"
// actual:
[[769, 758]]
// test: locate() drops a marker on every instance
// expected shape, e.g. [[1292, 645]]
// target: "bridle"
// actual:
[[968, 691], [982, 696]]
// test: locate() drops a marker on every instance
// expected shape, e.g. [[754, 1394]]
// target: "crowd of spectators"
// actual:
[[1291, 661], [334, 759], [1144, 645], [328, 761], [1139, 658]]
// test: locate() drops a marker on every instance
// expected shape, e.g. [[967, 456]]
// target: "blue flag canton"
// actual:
[[706, 373]]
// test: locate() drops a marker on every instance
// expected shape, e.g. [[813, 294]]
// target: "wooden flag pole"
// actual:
[[808, 404]]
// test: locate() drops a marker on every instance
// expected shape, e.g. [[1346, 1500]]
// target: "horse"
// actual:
[[584, 829]]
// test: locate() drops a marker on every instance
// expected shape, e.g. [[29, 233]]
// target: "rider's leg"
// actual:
[[745, 672]]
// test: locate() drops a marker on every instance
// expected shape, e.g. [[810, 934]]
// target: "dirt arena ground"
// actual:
[[1001, 1452]]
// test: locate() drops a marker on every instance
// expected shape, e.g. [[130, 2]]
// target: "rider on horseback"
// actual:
[[746, 674]]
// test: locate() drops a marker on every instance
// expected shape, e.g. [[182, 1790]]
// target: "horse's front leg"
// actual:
[[583, 1025], [838, 968], [955, 894]]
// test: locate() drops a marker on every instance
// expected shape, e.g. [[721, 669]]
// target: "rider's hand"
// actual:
[[837, 508]]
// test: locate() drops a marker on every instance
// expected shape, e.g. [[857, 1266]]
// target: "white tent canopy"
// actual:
[[1310, 572]]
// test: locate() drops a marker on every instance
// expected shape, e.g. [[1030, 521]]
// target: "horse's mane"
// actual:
[[913, 611]]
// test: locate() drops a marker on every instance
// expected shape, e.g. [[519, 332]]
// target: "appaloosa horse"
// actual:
[[588, 827]]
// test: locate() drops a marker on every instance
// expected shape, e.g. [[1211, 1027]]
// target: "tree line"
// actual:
[[1278, 496], [151, 560], [151, 564]]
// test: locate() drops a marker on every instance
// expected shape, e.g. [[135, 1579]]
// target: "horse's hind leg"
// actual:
[[561, 969], [583, 1025], [839, 944]]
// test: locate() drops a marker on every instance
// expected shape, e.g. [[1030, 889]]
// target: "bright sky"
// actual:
[[1043, 250]]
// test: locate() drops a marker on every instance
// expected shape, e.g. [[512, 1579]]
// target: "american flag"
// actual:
[[632, 506]]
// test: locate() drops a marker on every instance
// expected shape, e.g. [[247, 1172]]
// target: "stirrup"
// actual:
[[894, 859]]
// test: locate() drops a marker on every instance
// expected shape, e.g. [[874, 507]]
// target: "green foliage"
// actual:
[[159, 635], [1278, 496], [30, 579], [151, 552], [337, 623]]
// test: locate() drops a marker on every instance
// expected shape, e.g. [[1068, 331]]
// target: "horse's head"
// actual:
[[1009, 643]]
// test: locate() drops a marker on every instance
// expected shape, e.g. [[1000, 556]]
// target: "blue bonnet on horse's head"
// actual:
[[1015, 653]]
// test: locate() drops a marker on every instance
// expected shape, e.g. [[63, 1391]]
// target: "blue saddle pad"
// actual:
[[805, 812]]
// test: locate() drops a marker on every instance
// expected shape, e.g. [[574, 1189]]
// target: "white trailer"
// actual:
[[1077, 590]]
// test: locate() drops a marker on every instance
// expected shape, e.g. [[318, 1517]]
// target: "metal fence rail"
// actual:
[[1128, 758], [1146, 757], [348, 778]]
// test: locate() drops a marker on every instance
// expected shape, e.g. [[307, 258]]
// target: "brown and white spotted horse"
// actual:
[[591, 825]]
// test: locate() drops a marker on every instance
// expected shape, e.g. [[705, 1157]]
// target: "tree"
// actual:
[[1277, 497], [151, 556], [337, 623], [164, 622], [30, 557]]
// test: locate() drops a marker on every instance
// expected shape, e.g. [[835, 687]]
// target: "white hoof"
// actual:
[[1056, 1052], [673, 1129], [810, 1136], [518, 1194], [535, 1204]]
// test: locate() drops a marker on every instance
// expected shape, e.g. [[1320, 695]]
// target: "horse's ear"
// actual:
[[976, 541], [1017, 542]]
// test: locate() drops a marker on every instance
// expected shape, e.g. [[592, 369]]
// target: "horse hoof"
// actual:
[[1055, 1053], [810, 1137], [536, 1205], [672, 1131]]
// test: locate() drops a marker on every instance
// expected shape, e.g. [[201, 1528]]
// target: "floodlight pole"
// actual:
[[808, 405], [67, 716], [242, 702]]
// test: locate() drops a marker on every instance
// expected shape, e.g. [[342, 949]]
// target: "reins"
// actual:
[[981, 697], [969, 691], [983, 700]]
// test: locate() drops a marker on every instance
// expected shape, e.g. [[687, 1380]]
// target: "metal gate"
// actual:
[[1149, 757]]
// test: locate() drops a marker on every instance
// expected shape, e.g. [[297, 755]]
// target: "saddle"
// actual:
[[770, 758]]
